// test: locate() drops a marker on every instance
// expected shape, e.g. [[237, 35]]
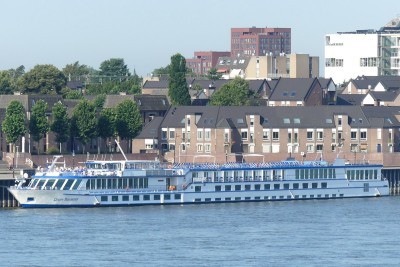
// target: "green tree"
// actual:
[[213, 74], [68, 93], [99, 100], [178, 90], [42, 79], [106, 124], [114, 67], [128, 120], [234, 93], [15, 75], [75, 71], [84, 121], [14, 122], [60, 124], [161, 71], [5, 83], [38, 123]]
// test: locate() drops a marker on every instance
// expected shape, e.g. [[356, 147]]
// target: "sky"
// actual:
[[146, 33]]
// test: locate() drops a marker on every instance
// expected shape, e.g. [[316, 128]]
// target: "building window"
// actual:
[[164, 134], [207, 148], [275, 135], [363, 135], [200, 134], [353, 135], [320, 135], [171, 134], [244, 135], [199, 147], [310, 148], [320, 147], [207, 134], [266, 135], [310, 135]]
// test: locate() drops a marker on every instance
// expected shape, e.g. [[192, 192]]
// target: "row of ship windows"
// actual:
[[178, 197], [138, 198], [247, 187]]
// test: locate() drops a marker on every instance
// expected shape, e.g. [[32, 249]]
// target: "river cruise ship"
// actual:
[[136, 182]]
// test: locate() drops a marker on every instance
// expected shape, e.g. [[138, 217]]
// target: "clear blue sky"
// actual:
[[146, 33]]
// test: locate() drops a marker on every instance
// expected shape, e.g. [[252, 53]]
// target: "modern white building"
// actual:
[[363, 52]]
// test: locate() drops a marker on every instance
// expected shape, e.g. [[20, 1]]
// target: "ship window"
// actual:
[[135, 198], [218, 199], [208, 199], [146, 197], [314, 185], [238, 187], [197, 200], [238, 198], [247, 187], [324, 185], [50, 183], [40, 184], [167, 197], [217, 188], [125, 198], [177, 196], [104, 198], [247, 198], [276, 186], [285, 186], [257, 198], [267, 187], [197, 188], [76, 185], [295, 186], [114, 198], [257, 187], [228, 188], [305, 185], [227, 199], [157, 197], [29, 199], [68, 184], [59, 184]]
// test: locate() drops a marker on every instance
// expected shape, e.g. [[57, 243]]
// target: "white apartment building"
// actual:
[[363, 52]]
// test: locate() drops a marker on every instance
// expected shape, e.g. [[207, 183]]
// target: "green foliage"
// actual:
[[5, 83], [85, 121], [106, 124], [68, 93], [114, 67], [61, 124], [53, 151], [14, 122], [42, 79], [99, 100], [38, 124], [214, 75], [130, 86], [178, 90], [75, 71], [128, 119], [197, 87], [234, 93], [161, 71]]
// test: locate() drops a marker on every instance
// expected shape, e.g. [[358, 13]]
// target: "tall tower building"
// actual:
[[260, 41]]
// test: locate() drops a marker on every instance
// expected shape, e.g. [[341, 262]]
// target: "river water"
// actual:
[[340, 232]]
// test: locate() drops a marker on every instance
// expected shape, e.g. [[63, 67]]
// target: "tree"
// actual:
[[161, 71], [75, 71], [84, 121], [61, 124], [38, 123], [106, 124], [114, 67], [5, 83], [128, 120], [234, 93], [42, 79], [178, 90], [14, 122], [213, 74]]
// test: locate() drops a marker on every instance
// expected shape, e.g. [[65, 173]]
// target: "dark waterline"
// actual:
[[342, 232]]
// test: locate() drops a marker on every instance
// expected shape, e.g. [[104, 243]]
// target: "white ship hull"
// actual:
[[93, 198]]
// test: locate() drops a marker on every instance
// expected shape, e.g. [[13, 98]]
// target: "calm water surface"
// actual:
[[346, 232]]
